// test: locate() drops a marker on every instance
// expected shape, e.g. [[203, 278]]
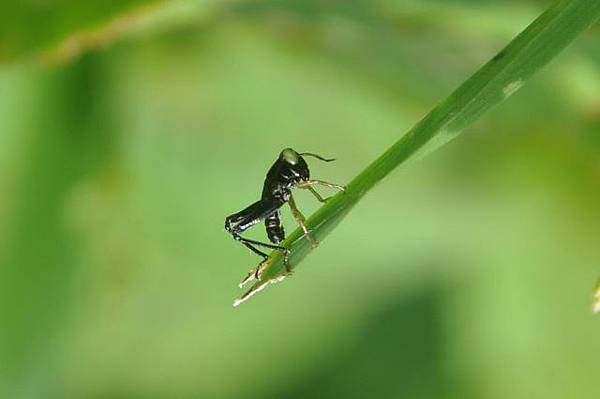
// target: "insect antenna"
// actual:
[[318, 156]]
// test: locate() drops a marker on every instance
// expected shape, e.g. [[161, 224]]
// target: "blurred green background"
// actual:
[[130, 129]]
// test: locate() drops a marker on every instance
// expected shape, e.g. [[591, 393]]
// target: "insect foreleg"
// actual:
[[309, 183]]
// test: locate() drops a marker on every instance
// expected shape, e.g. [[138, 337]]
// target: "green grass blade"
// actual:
[[539, 43]]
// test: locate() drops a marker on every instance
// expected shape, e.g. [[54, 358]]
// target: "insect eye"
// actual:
[[290, 156]]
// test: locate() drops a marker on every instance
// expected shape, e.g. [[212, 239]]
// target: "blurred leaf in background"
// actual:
[[30, 26], [468, 274]]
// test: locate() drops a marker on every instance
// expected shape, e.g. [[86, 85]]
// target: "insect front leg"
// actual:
[[301, 221], [310, 183]]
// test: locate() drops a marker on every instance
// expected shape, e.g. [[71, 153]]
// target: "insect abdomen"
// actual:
[[274, 228]]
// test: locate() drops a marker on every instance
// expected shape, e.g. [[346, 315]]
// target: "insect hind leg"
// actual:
[[250, 244], [253, 248], [237, 223]]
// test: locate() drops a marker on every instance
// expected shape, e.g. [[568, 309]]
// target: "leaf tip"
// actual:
[[257, 287]]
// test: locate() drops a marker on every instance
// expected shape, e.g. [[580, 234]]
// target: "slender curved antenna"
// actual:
[[318, 156]]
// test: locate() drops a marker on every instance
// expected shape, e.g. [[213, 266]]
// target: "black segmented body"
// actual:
[[277, 188], [274, 228]]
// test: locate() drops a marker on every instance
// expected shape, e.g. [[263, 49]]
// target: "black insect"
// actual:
[[289, 171]]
